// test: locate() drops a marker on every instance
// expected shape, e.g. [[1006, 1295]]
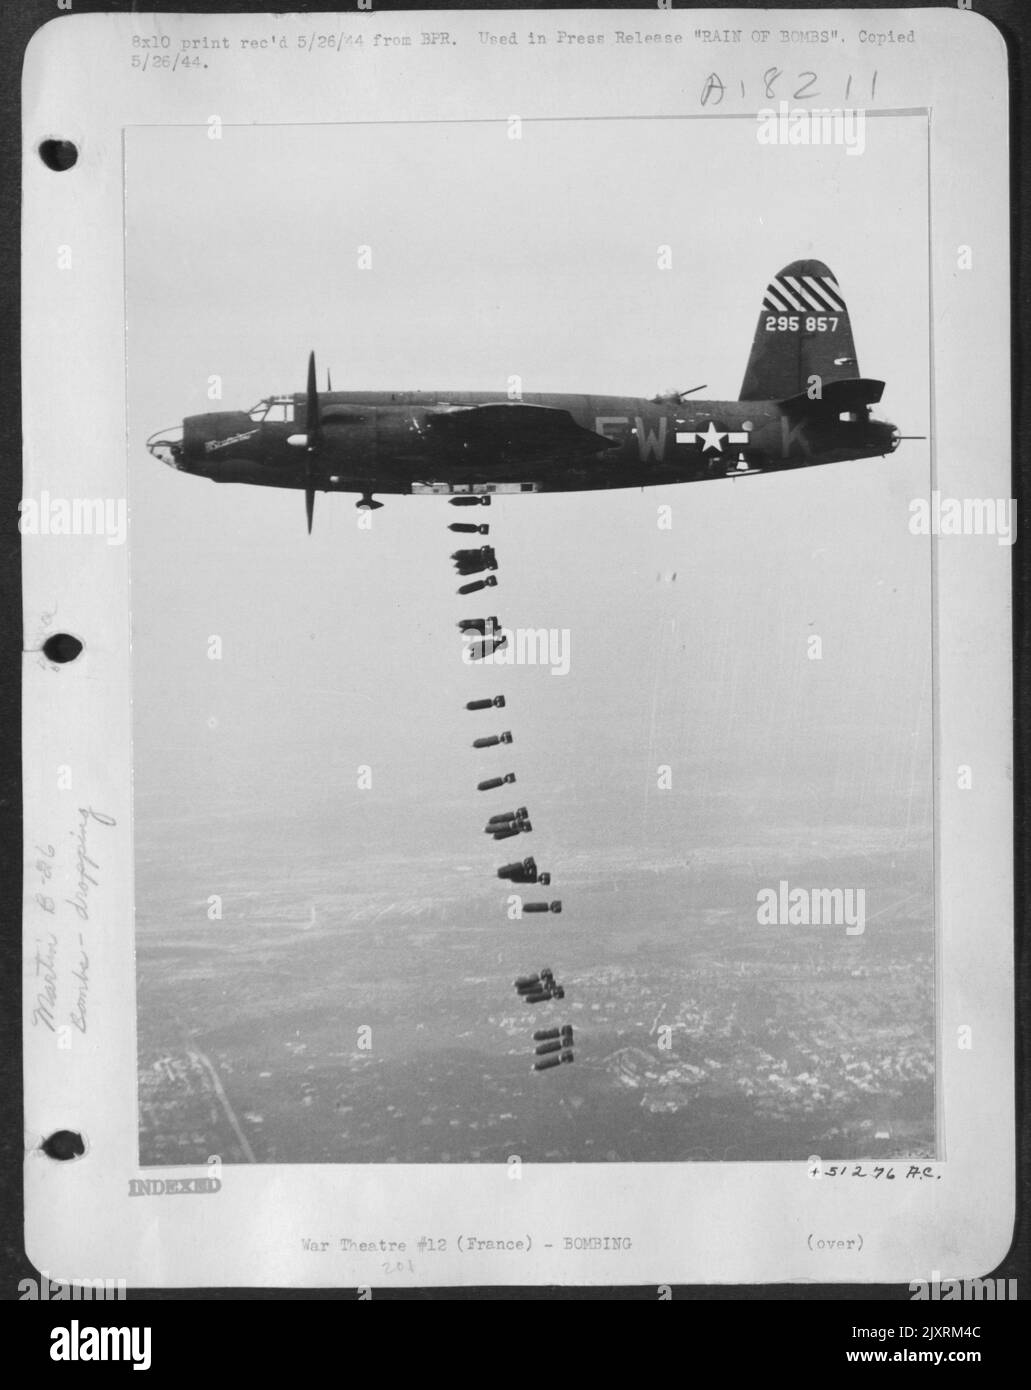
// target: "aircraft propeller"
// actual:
[[313, 442]]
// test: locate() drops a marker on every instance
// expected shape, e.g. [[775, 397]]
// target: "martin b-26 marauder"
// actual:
[[802, 403]]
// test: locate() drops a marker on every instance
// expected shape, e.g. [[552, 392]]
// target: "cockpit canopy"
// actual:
[[273, 410]]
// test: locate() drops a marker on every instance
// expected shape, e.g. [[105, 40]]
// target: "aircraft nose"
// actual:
[[167, 446]]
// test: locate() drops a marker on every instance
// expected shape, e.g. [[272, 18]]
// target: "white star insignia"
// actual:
[[708, 438], [712, 437]]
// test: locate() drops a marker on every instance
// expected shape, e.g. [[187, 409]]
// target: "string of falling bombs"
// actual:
[[553, 1045]]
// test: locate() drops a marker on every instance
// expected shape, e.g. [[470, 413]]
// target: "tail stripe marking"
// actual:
[[772, 302], [807, 296], [825, 288], [785, 291], [821, 296], [797, 294]]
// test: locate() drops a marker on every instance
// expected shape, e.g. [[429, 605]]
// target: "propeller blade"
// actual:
[[329, 381], [314, 422], [313, 430]]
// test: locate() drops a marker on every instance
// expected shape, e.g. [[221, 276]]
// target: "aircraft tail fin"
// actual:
[[803, 332]]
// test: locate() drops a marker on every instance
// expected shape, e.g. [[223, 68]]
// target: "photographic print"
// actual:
[[704, 645], [517, 649]]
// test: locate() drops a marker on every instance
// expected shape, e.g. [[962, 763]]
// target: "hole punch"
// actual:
[[58, 155], [63, 1145], [61, 647]]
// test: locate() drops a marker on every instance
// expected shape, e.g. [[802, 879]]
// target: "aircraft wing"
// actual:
[[515, 432]]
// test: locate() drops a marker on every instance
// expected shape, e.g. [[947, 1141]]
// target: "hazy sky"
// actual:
[[536, 257]]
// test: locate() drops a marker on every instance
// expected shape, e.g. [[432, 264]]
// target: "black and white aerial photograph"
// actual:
[[532, 675]]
